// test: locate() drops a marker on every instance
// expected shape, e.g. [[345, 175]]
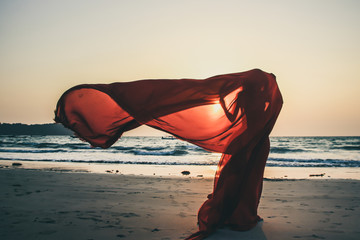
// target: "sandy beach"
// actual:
[[43, 204]]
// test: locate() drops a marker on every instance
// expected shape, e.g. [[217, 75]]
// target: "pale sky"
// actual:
[[312, 46]]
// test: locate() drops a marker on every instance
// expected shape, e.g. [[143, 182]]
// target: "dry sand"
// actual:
[[38, 204]]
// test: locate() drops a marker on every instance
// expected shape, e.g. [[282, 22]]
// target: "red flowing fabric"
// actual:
[[232, 114]]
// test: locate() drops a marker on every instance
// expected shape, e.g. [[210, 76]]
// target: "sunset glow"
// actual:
[[311, 46], [216, 109]]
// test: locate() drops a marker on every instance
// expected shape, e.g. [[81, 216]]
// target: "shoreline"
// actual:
[[58, 205], [196, 171]]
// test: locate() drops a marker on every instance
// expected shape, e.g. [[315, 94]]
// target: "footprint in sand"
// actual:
[[127, 215], [47, 232], [47, 220], [182, 214], [310, 236], [63, 212], [326, 220], [338, 224], [328, 212]]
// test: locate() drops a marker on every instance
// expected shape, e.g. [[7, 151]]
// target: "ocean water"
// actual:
[[285, 151]]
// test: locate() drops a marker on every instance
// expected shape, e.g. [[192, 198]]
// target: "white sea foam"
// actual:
[[285, 151]]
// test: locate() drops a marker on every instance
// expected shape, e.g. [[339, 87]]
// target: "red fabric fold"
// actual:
[[232, 114]]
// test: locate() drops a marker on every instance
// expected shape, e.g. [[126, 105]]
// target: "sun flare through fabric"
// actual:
[[232, 114]]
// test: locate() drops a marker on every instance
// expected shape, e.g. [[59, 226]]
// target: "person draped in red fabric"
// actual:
[[232, 114]]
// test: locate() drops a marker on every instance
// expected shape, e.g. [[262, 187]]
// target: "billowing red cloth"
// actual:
[[232, 114]]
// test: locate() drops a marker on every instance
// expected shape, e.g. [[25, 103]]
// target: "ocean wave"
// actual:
[[151, 151], [279, 162], [153, 148], [326, 163], [46, 145], [285, 150], [211, 163], [10, 150], [121, 148], [164, 153], [348, 147]]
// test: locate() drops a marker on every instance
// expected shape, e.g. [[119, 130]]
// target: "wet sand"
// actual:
[[43, 204], [207, 171]]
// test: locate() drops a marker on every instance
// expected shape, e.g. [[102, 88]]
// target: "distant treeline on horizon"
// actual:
[[33, 129]]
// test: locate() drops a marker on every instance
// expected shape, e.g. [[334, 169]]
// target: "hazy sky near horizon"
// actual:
[[312, 46]]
